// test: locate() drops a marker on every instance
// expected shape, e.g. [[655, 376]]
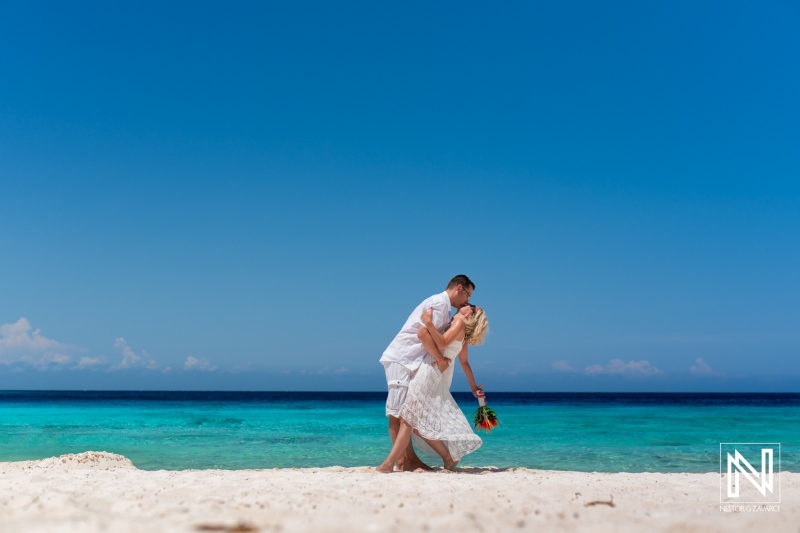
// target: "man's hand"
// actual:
[[443, 363], [427, 317]]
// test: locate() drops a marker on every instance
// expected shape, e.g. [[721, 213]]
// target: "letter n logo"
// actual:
[[761, 479]]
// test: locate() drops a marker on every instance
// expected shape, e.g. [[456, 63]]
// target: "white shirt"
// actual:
[[406, 348]]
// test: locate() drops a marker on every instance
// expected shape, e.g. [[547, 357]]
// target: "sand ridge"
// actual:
[[92, 460]]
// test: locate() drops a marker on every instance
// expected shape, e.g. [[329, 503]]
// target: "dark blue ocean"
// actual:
[[603, 432]]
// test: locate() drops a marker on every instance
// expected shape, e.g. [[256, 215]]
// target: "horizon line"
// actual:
[[384, 392]]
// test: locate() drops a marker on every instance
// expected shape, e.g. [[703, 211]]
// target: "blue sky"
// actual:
[[254, 196]]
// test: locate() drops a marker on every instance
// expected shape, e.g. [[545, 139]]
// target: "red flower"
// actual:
[[485, 419]]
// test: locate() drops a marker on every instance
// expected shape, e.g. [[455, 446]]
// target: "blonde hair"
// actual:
[[476, 327]]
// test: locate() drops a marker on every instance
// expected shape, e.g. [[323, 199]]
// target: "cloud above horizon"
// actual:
[[564, 366], [130, 359], [701, 368], [203, 365], [88, 362], [20, 343], [615, 367]]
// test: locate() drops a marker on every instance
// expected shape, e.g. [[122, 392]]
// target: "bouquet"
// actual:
[[485, 418]]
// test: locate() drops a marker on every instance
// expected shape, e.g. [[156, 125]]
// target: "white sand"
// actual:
[[94, 492]]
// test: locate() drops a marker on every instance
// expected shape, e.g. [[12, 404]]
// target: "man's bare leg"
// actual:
[[412, 461], [402, 451], [394, 428], [401, 441]]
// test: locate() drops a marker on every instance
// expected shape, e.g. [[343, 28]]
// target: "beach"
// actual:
[[98, 491]]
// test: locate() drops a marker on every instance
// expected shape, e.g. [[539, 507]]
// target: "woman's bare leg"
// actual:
[[440, 448]]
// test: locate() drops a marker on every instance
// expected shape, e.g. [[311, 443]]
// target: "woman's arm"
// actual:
[[464, 358], [442, 341], [431, 348]]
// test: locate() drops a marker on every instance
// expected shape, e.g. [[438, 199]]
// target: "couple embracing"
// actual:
[[419, 371]]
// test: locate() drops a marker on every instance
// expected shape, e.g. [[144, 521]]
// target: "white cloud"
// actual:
[[88, 362], [620, 367], [130, 359], [701, 368], [20, 343], [563, 366], [342, 370], [193, 363]]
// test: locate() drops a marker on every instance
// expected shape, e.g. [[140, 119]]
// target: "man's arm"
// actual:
[[439, 313], [429, 330]]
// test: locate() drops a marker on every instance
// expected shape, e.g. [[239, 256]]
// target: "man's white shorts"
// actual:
[[397, 379]]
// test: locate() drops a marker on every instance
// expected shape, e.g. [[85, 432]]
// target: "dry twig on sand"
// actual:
[[610, 502], [241, 527]]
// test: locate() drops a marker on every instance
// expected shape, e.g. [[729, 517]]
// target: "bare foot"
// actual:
[[385, 469], [450, 465], [413, 466]]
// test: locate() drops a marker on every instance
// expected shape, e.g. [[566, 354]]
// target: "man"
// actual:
[[405, 354]]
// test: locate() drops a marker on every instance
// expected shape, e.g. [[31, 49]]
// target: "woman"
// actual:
[[438, 424]]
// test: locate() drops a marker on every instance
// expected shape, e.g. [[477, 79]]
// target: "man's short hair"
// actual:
[[462, 280]]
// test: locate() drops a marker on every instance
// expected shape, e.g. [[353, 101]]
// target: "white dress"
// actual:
[[430, 409]]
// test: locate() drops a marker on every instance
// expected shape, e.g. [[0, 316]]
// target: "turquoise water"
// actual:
[[583, 432]]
